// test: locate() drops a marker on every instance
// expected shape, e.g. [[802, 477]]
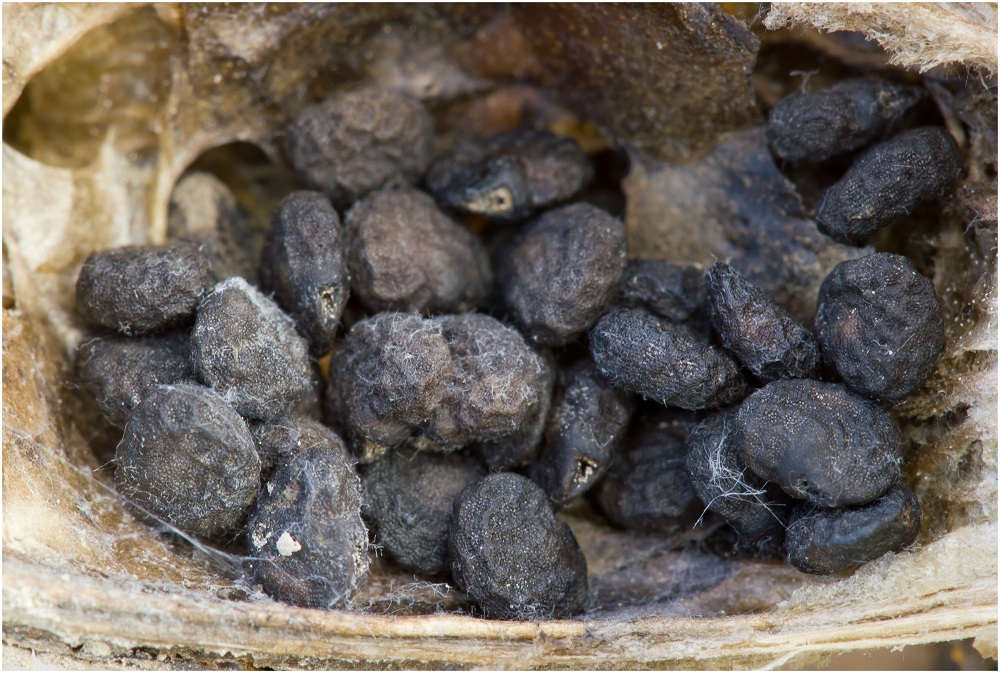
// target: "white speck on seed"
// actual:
[[287, 545]]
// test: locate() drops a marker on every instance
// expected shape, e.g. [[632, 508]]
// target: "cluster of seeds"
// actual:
[[486, 382]]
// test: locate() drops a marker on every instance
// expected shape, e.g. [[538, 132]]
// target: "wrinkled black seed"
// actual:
[[406, 255], [833, 122], [819, 442], [562, 272], [586, 427], [824, 541], [118, 371], [246, 348], [725, 485], [359, 141], [280, 440], [759, 333], [307, 543], [670, 291], [664, 361], [510, 553], [510, 175], [188, 458], [880, 325], [304, 267], [136, 289], [409, 497], [888, 182]]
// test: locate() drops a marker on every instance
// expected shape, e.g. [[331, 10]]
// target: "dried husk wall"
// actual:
[[123, 98]]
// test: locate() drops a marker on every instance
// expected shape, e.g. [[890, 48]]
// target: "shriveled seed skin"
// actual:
[[824, 541], [188, 458], [510, 553], [118, 371], [664, 361], [409, 497], [306, 541], [819, 441], [303, 265], [880, 325], [562, 272], [822, 125], [358, 141], [762, 335], [136, 289], [247, 349], [670, 291], [406, 255], [888, 182], [280, 440]]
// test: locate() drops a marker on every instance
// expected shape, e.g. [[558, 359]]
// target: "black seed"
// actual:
[[188, 458], [360, 141], [819, 442], [307, 542], [888, 182], [824, 541], [510, 553], [406, 255], [118, 371], [138, 289], [303, 266], [670, 291], [664, 361], [880, 325], [280, 440], [822, 125], [244, 347], [409, 497], [562, 272], [762, 335]]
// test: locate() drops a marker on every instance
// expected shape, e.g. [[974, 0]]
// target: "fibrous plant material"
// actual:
[[306, 542], [819, 441], [407, 255], [510, 553], [303, 266], [880, 325], [137, 289], [188, 459], [280, 440]]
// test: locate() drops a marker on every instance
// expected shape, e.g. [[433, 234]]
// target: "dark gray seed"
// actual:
[[880, 325], [668, 290], [307, 543], [136, 289], [664, 361], [188, 458], [510, 553], [304, 267], [819, 442], [280, 440], [825, 541], [409, 497], [762, 335], [888, 182]]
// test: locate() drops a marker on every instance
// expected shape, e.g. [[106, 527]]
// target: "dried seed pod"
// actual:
[[670, 291], [406, 255], [303, 266], [825, 541], [244, 347], [888, 182], [833, 122], [562, 272], [118, 371], [359, 141], [409, 497], [819, 442], [663, 361], [512, 175], [880, 325], [188, 458], [510, 553], [136, 289], [585, 429], [762, 335], [307, 543], [725, 485], [280, 440]]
